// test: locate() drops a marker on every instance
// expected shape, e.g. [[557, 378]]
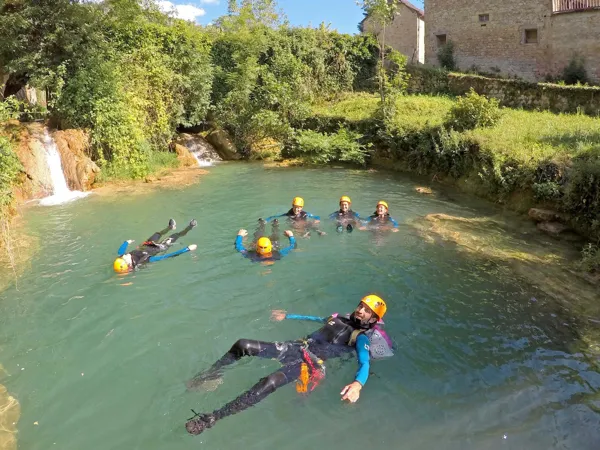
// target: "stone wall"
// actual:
[[404, 34], [511, 93], [492, 36]]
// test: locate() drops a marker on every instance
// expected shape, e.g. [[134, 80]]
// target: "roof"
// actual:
[[409, 5]]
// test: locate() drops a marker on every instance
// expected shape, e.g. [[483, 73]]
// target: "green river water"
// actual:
[[99, 361]]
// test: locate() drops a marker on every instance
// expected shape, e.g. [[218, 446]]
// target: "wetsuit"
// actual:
[[301, 216], [338, 336], [149, 250], [347, 218], [375, 220], [254, 256]]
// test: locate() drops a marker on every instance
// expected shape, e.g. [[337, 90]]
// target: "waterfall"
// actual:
[[202, 162], [60, 189]]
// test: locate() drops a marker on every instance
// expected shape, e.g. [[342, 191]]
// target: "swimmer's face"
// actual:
[[297, 209], [344, 206], [363, 312], [381, 210]]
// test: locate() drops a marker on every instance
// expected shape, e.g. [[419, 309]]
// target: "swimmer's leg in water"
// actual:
[[275, 234], [251, 397], [243, 347], [171, 239], [156, 236], [260, 230]]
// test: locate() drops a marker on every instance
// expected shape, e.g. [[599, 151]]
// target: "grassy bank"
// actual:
[[527, 159]]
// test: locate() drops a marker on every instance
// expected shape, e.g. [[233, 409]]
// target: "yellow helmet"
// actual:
[[383, 203], [345, 198], [264, 246], [120, 265], [376, 304], [298, 201]]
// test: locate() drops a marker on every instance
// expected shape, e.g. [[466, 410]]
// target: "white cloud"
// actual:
[[185, 12]]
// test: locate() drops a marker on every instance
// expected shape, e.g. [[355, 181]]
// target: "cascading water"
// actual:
[[202, 162], [60, 190]]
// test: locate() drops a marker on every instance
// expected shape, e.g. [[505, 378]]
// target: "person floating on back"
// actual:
[[303, 359], [345, 218], [381, 218], [263, 251], [150, 249], [300, 219]]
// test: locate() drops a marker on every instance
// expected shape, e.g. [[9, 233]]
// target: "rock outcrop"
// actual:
[[184, 156], [80, 171], [223, 145]]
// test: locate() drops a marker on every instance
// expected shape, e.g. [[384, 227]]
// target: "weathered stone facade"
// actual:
[[405, 34], [527, 39]]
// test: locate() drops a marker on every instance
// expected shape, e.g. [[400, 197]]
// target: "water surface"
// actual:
[[98, 361]]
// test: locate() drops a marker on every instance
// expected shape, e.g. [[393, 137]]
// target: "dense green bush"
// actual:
[[574, 72], [10, 169], [445, 56], [322, 148], [590, 258], [472, 111]]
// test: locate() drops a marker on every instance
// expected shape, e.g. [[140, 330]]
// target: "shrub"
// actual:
[[472, 111], [575, 72], [549, 191], [10, 168], [590, 258], [323, 148], [445, 56]]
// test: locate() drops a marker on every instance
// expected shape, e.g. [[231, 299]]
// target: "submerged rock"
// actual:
[[543, 215], [552, 228], [424, 190], [10, 411]]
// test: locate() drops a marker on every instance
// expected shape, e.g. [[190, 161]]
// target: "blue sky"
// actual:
[[343, 15]]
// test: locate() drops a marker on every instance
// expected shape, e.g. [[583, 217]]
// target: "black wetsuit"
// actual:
[[337, 337], [149, 250]]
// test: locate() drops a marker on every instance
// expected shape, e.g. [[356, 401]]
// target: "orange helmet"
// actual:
[[376, 304], [345, 198], [120, 265], [298, 201], [383, 203], [264, 246]]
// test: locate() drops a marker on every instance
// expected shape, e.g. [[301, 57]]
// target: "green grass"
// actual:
[[525, 136], [156, 163]]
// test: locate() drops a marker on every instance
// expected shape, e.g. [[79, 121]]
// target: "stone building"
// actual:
[[530, 39], [405, 34]]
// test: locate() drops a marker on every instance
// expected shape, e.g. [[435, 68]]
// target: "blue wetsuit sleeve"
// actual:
[[362, 352], [300, 317], [312, 216], [238, 244], [122, 248], [394, 222], [168, 255], [357, 215], [332, 215], [285, 251]]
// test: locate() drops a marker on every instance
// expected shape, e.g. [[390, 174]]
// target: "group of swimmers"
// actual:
[[302, 360]]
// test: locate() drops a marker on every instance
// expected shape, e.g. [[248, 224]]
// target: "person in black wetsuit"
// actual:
[[337, 337], [150, 249], [300, 219], [345, 217], [381, 218]]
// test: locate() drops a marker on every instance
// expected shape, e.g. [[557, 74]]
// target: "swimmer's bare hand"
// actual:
[[192, 247], [321, 233], [278, 315], [317, 221], [130, 241], [362, 228], [288, 233], [395, 230], [243, 233], [351, 392]]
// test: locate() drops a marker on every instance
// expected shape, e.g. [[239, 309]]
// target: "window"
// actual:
[[531, 36], [441, 39], [484, 17]]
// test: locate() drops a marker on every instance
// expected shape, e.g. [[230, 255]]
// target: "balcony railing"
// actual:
[[574, 5]]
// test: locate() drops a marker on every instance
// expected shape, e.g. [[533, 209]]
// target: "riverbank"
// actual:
[[530, 159]]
